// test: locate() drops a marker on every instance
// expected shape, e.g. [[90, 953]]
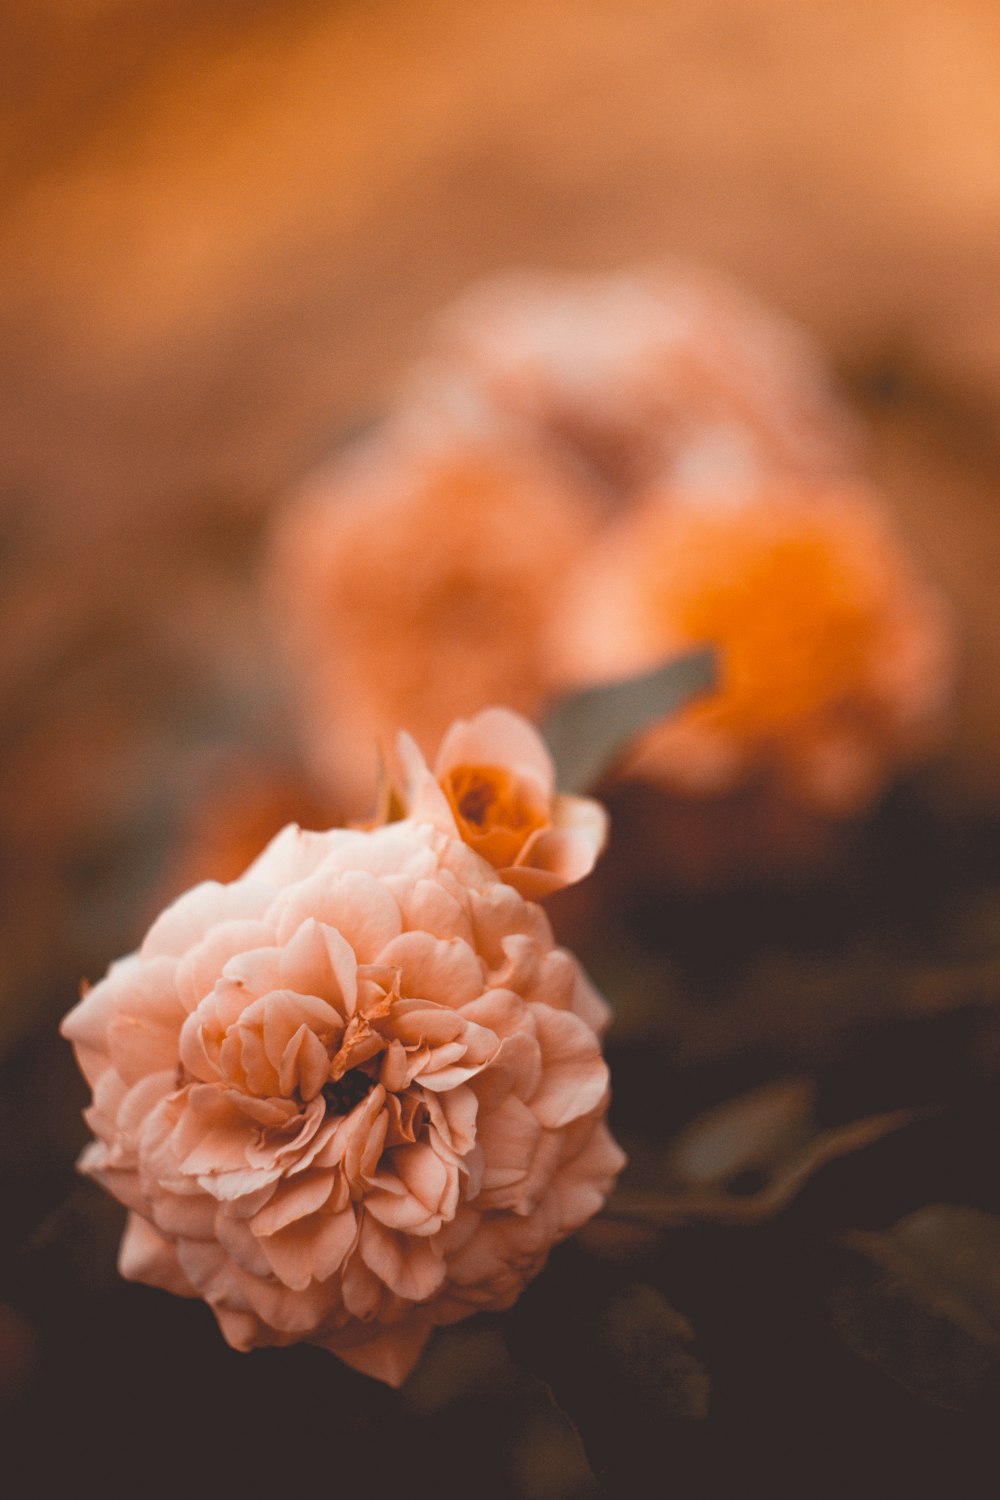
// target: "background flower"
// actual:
[[658, 374], [354, 1094], [835, 656], [416, 583]]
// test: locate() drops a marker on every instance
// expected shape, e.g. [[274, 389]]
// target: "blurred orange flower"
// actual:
[[835, 657], [493, 786], [416, 584]]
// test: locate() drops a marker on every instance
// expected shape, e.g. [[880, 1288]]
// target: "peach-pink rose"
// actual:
[[664, 374], [493, 785], [352, 1095]]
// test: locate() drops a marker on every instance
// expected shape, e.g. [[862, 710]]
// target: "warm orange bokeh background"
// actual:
[[222, 224]]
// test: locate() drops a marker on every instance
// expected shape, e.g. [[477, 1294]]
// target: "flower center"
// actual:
[[487, 798], [342, 1096]]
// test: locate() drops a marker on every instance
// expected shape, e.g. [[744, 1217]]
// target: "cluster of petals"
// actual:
[[416, 582], [665, 374], [352, 1095], [835, 655], [493, 785]]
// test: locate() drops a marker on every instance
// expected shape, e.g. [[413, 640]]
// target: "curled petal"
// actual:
[[410, 1267], [145, 1255], [493, 786], [310, 1249], [574, 1074], [388, 1357]]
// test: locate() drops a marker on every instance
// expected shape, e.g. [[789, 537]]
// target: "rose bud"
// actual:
[[493, 786]]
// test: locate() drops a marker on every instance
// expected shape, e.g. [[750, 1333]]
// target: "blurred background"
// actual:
[[223, 227]]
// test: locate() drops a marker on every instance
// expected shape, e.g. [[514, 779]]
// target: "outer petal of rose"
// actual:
[[139, 1102], [497, 737], [102, 1114], [428, 907], [574, 1074], [453, 1117], [292, 1200], [580, 1187], [146, 989], [124, 1185], [186, 922], [211, 1134], [203, 1034], [500, 913], [141, 1045], [255, 972], [563, 854], [146, 1256], [352, 902], [362, 1290], [199, 968], [443, 970], [311, 1249], [224, 1283], [400, 1210], [408, 1267], [517, 1069], [240, 1329], [484, 1255], [549, 1152], [588, 1003], [533, 973], [423, 798], [532, 884], [499, 1010], [388, 1357], [400, 850], [191, 1216], [508, 1137], [292, 855], [238, 1240], [318, 960], [430, 1180]]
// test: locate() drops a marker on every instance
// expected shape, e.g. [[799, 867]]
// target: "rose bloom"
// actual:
[[352, 1095], [415, 584], [835, 656], [493, 786], [667, 374]]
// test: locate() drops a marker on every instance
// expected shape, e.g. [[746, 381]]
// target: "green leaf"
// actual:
[[588, 730], [922, 1302], [759, 1132]]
